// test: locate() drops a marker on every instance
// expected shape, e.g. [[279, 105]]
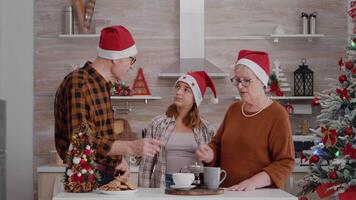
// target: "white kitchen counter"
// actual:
[[158, 193], [133, 169]]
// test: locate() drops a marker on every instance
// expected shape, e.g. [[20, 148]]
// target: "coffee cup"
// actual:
[[183, 179], [212, 177]]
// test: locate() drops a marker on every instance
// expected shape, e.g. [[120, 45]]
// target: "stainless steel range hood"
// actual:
[[192, 39]]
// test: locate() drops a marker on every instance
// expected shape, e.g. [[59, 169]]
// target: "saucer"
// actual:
[[182, 187]]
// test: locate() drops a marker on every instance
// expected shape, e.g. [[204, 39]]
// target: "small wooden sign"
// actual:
[[140, 86]]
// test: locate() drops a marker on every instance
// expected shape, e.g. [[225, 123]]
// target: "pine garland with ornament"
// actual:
[[332, 163], [81, 174]]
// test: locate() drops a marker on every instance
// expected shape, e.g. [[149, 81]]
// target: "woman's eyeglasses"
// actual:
[[244, 82], [132, 60]]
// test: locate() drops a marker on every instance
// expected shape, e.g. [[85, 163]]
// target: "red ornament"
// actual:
[[303, 198], [354, 71], [87, 152], [315, 102], [289, 108], [314, 159], [348, 131], [353, 153], [91, 178], [342, 78], [332, 175], [349, 65], [347, 149]]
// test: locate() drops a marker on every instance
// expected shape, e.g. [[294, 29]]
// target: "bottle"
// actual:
[[312, 23], [69, 20], [304, 23]]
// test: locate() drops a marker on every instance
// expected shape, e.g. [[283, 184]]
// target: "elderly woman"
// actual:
[[254, 142], [181, 130]]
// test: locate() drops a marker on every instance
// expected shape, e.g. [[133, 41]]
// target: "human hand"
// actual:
[[246, 185], [122, 170], [204, 153], [145, 147]]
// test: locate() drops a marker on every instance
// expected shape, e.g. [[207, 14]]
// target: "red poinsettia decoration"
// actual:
[[329, 136]]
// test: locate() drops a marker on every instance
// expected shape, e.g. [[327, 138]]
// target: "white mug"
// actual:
[[212, 177]]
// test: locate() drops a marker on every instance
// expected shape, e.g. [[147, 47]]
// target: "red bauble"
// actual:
[[274, 87], [354, 71], [348, 131], [332, 175], [303, 198], [343, 78], [314, 159], [91, 178], [349, 65], [353, 153]]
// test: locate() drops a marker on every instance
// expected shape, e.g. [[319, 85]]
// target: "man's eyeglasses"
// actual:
[[132, 60], [244, 82]]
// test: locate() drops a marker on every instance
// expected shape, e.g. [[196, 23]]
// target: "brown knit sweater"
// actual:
[[246, 146]]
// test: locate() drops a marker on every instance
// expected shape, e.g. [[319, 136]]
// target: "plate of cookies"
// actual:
[[118, 186]]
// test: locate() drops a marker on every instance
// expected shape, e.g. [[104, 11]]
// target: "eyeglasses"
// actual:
[[244, 82], [132, 60]]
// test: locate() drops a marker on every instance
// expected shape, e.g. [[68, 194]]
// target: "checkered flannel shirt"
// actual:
[[152, 170], [84, 97]]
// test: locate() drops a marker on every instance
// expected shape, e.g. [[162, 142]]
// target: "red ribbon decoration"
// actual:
[[329, 136]]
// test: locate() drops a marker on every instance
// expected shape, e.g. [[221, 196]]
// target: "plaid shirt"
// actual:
[[84, 97], [152, 170]]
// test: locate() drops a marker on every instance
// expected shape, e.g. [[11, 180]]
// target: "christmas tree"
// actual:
[[81, 174], [332, 163]]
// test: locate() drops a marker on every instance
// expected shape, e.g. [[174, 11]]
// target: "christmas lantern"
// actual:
[[303, 81]]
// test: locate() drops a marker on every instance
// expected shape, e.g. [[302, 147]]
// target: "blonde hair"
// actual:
[[191, 120]]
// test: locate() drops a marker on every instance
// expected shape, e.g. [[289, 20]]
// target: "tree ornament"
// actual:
[[349, 65], [348, 131], [332, 175], [315, 102], [342, 78], [314, 159], [341, 63]]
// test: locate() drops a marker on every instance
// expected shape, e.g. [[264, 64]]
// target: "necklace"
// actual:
[[256, 113]]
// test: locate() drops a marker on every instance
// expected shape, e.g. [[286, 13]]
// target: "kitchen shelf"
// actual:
[[287, 97], [136, 97], [309, 37], [73, 36]]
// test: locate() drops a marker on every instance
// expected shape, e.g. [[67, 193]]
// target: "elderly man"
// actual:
[[83, 99]]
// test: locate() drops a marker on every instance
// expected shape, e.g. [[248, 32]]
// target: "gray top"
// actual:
[[180, 151]]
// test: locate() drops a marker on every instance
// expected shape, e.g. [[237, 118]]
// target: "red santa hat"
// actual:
[[198, 82], [257, 62], [116, 42]]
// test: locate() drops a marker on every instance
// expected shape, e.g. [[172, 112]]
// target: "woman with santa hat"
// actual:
[[181, 130], [254, 142]]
